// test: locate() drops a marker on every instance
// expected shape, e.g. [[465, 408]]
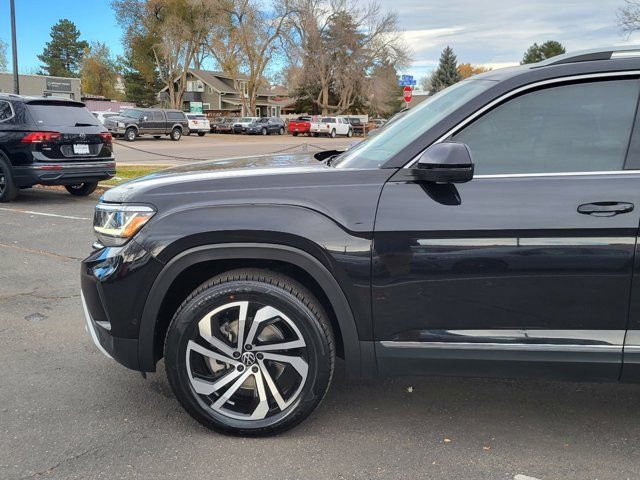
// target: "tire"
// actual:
[[82, 189], [333, 133], [281, 131], [264, 131], [175, 134], [201, 134], [130, 134], [349, 133], [8, 189], [295, 134], [300, 383]]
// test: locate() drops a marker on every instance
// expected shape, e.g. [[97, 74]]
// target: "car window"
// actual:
[[157, 116], [175, 116], [328, 120], [132, 113], [57, 114], [570, 128], [5, 111]]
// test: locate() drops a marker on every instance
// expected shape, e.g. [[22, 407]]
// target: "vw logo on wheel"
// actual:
[[248, 358]]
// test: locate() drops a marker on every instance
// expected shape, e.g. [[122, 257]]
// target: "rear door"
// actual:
[[525, 270]]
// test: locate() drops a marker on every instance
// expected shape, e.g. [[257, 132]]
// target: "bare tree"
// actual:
[[340, 44], [246, 41], [177, 29], [629, 16]]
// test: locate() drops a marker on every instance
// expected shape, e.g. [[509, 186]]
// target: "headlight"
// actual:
[[120, 125], [116, 224]]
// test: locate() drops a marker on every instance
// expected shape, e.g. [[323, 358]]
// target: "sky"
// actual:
[[489, 32]]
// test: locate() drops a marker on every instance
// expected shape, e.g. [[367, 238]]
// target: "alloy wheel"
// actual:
[[3, 182], [247, 361]]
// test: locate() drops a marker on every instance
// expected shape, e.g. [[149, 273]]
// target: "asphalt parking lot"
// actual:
[[147, 150], [68, 412]]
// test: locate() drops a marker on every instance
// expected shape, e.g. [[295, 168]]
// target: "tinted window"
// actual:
[[175, 116], [571, 128], [56, 114], [157, 116], [5, 111], [132, 113], [328, 120]]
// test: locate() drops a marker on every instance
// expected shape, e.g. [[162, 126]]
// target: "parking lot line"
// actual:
[[31, 212]]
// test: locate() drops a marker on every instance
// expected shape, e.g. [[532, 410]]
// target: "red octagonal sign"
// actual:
[[407, 94]]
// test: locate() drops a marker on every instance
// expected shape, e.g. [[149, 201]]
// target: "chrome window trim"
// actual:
[[529, 347], [558, 174], [13, 112], [512, 93]]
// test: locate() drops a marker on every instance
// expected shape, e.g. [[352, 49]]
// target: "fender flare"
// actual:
[[248, 251]]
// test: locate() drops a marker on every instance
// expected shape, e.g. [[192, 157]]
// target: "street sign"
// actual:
[[407, 81], [407, 94]]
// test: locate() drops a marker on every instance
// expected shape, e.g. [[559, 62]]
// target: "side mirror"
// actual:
[[446, 162], [145, 118]]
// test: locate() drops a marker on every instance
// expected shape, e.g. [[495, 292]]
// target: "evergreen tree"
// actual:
[[536, 53], [447, 72], [62, 55]]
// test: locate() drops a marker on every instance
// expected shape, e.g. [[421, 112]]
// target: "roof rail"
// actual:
[[607, 53]]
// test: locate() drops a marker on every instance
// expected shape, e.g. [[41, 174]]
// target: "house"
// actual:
[[216, 94]]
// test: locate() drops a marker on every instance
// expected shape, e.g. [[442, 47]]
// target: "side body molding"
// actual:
[[355, 356]]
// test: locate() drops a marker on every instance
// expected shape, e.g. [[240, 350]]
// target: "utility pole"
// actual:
[[14, 49]]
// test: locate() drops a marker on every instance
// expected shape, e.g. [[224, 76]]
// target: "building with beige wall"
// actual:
[[42, 86]]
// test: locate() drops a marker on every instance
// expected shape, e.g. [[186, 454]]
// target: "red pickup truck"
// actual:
[[300, 125]]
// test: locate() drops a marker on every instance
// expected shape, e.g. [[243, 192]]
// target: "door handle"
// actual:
[[605, 209]]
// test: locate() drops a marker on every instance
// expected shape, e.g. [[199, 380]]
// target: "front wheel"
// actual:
[[82, 189], [175, 134], [349, 133], [281, 131], [264, 131], [201, 134], [295, 134], [333, 133], [250, 352]]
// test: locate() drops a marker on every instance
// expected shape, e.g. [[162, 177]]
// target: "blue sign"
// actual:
[[407, 83]]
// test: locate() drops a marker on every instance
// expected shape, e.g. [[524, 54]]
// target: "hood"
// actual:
[[244, 172], [119, 118]]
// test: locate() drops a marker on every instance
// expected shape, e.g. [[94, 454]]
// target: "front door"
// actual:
[[525, 270]]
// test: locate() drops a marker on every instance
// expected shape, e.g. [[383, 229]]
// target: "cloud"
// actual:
[[497, 32]]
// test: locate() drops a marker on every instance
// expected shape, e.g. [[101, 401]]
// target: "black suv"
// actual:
[[51, 141], [401, 255], [134, 122]]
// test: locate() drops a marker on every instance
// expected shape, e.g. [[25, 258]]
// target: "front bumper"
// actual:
[[115, 282], [63, 173]]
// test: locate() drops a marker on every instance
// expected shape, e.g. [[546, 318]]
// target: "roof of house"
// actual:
[[212, 79]]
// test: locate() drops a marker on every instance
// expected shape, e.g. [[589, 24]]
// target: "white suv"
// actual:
[[198, 123]]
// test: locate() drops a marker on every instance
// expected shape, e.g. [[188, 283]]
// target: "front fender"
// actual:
[[359, 356]]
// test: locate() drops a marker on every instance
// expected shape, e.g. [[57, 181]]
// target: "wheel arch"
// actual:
[[153, 325]]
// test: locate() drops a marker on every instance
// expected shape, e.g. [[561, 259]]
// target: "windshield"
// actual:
[[327, 120], [132, 113], [246, 120], [374, 151]]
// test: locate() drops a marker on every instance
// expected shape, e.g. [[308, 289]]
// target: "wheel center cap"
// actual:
[[248, 358]]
